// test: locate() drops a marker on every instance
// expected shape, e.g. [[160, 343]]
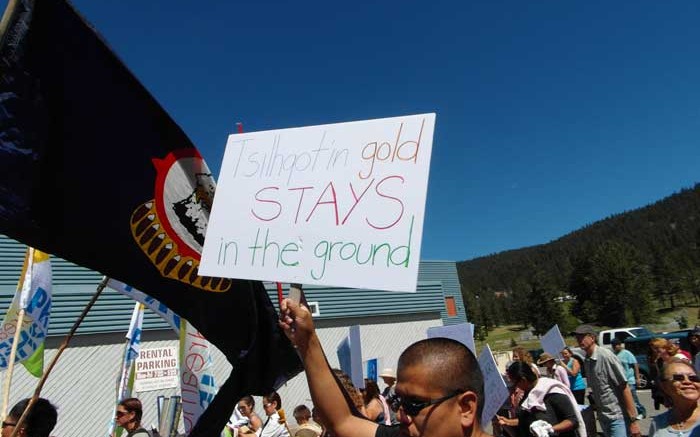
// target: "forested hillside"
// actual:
[[619, 270]]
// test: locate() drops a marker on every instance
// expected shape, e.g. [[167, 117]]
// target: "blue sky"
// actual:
[[550, 115]]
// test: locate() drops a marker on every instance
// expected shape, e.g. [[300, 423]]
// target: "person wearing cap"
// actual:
[[629, 363], [617, 413], [554, 369], [694, 340], [388, 375]]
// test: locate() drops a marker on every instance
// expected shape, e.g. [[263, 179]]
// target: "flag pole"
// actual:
[[28, 257], [7, 16], [61, 348]]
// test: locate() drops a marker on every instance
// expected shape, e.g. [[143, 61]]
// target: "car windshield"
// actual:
[[638, 332]]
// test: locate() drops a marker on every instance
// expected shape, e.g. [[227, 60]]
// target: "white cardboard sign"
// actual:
[[338, 204], [553, 342], [463, 333], [156, 369], [495, 388]]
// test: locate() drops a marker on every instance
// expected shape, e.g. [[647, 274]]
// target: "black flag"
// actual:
[[93, 170]]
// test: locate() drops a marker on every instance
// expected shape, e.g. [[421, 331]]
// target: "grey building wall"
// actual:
[[83, 383]]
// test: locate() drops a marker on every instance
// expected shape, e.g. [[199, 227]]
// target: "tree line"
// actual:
[[614, 272]]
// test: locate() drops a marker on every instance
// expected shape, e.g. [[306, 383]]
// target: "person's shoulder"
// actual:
[[624, 353], [556, 397], [607, 355], [661, 420]]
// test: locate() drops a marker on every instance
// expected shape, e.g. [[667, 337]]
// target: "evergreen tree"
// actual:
[[613, 287], [543, 309]]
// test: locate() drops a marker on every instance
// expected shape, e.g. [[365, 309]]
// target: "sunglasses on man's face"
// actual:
[[413, 407], [680, 377], [121, 413]]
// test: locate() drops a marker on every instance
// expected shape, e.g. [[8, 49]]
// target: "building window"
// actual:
[[314, 308], [451, 306]]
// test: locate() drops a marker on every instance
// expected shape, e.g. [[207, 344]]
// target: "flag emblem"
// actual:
[[170, 228]]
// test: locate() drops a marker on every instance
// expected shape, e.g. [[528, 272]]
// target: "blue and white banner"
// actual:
[[197, 384], [125, 383], [34, 296], [153, 304]]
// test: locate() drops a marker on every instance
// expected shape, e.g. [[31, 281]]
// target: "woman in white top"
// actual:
[[274, 425]]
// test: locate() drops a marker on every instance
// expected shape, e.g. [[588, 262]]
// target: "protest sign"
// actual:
[[463, 333], [350, 356], [156, 369], [338, 204], [495, 389], [552, 342]]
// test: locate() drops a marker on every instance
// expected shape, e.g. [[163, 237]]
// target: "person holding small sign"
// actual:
[[439, 389]]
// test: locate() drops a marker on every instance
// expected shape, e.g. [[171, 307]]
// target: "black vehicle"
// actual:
[[639, 346]]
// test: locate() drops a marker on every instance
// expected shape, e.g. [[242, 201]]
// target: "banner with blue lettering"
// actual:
[[197, 384], [132, 347], [34, 295], [153, 304]]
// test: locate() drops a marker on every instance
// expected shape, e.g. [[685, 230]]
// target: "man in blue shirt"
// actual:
[[629, 363]]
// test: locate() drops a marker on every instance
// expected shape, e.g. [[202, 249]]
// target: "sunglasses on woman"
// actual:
[[680, 377]]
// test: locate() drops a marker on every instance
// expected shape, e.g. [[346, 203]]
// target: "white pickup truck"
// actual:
[[606, 337]]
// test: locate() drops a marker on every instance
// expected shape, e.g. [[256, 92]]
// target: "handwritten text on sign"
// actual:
[[339, 204]]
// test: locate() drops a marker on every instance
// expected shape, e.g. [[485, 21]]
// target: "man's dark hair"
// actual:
[[371, 391], [520, 370], [40, 421], [452, 367]]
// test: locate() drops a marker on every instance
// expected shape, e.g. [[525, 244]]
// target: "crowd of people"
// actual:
[[438, 390], [550, 403]]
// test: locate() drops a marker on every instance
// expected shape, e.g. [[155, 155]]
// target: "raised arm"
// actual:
[[327, 396], [631, 410]]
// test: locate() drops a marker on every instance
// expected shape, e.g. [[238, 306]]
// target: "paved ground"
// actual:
[[645, 399]]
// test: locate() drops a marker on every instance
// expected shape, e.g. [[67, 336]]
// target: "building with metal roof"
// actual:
[[83, 383]]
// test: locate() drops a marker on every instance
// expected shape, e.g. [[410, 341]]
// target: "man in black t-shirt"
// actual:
[[439, 393]]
